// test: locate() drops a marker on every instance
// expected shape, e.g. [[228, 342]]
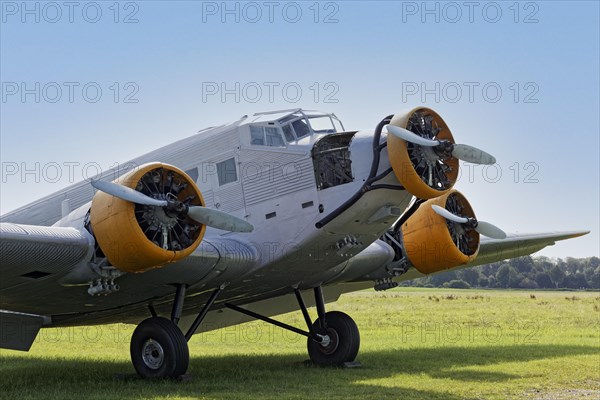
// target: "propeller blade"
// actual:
[[127, 194], [472, 154], [483, 228], [409, 136], [489, 230], [448, 215], [219, 219]]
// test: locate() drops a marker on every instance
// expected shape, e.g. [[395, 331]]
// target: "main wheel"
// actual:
[[159, 349], [341, 343]]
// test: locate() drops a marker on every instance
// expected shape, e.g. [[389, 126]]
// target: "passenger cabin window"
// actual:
[[273, 137], [266, 136], [226, 171]]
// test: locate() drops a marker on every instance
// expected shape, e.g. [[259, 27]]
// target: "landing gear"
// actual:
[[333, 339], [341, 340], [159, 349]]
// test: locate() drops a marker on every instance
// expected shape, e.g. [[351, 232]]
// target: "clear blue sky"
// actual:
[[361, 60]]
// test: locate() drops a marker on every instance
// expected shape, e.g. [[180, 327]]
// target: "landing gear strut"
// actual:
[[158, 348], [333, 339]]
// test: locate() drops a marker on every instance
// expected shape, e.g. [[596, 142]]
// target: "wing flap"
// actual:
[[18, 330]]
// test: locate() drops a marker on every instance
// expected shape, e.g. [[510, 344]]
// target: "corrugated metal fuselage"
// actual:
[[276, 191]]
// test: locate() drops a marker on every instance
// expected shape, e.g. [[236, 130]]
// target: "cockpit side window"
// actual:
[[288, 133], [301, 128]]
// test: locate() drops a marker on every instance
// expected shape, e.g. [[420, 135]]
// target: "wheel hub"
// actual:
[[330, 342], [153, 354]]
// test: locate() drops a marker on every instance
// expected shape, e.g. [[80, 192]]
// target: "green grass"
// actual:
[[416, 344]]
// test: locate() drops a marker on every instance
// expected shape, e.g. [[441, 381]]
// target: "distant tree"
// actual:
[[439, 279], [574, 265], [575, 281], [557, 275], [592, 274], [594, 279], [542, 263], [514, 278], [523, 265], [593, 262], [457, 284], [527, 283], [524, 272], [543, 280], [471, 276], [502, 276], [483, 281]]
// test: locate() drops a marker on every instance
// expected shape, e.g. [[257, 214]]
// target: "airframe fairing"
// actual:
[[239, 222]]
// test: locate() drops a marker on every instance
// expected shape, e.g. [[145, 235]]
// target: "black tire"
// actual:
[[344, 340], [159, 349]]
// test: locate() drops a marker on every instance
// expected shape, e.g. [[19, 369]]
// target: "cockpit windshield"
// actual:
[[322, 124], [301, 128], [294, 125]]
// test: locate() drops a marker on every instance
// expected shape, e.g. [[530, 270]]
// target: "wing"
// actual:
[[492, 250], [31, 252], [375, 263]]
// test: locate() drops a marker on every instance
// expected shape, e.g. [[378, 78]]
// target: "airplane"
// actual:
[[272, 213]]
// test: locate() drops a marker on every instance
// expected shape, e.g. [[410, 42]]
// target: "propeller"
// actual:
[[461, 151], [128, 194], [207, 216], [482, 227]]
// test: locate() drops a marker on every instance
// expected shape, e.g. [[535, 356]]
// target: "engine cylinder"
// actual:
[[433, 243], [136, 238]]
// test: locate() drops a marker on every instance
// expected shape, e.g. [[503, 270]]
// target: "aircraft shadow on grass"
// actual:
[[274, 375]]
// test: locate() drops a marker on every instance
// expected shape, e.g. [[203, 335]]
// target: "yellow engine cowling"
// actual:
[[432, 243], [405, 162], [125, 232]]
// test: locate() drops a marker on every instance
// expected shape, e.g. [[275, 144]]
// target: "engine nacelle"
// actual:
[[432, 243], [135, 237], [420, 169]]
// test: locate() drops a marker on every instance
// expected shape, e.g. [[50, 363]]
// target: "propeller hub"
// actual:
[[444, 149]]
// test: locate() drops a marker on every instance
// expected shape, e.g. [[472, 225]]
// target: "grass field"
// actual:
[[415, 344]]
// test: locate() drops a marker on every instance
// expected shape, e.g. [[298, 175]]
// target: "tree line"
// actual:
[[521, 273]]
